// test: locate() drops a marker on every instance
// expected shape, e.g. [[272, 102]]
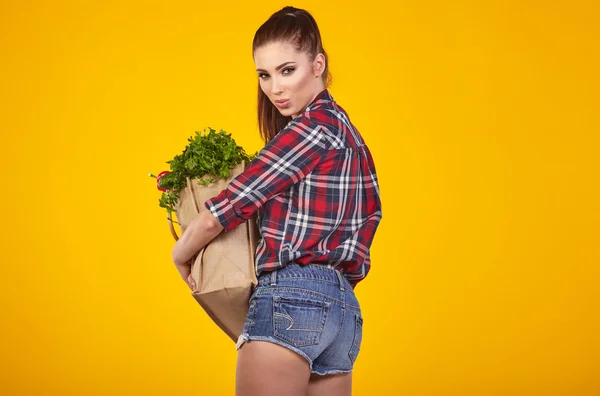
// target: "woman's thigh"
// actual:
[[330, 385], [267, 369]]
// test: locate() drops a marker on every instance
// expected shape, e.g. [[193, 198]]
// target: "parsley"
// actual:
[[207, 157]]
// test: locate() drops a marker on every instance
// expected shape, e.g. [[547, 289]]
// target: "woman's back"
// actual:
[[330, 216]]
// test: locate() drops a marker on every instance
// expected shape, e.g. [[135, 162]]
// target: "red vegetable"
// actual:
[[160, 175]]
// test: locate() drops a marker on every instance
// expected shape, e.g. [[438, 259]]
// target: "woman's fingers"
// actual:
[[191, 282]]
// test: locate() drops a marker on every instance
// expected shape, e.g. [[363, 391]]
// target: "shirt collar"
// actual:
[[322, 97]]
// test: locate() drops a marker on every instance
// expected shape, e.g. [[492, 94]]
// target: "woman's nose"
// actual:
[[275, 86]]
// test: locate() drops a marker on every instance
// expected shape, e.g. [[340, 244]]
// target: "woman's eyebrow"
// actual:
[[277, 68]]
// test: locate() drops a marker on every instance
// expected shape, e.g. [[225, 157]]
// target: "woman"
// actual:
[[315, 189]]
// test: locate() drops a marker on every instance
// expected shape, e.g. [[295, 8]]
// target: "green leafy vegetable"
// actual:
[[208, 157]]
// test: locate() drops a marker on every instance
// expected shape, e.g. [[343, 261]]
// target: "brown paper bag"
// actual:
[[223, 270]]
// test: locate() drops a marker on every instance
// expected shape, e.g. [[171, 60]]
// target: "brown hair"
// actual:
[[297, 27]]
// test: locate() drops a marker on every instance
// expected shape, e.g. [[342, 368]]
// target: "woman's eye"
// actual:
[[265, 75]]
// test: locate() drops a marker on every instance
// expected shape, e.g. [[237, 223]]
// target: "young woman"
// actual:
[[315, 189]]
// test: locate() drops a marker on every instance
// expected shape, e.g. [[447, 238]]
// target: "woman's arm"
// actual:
[[292, 154], [203, 228]]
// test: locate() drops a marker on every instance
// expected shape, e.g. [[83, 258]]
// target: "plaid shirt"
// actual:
[[315, 189]]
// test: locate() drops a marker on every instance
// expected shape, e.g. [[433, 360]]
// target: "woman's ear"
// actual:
[[319, 64]]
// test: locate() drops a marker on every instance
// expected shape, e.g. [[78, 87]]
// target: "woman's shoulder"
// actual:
[[337, 124]]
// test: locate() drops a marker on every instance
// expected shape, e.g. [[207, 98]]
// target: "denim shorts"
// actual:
[[310, 309]]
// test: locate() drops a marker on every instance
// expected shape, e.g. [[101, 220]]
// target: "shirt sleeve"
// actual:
[[292, 154]]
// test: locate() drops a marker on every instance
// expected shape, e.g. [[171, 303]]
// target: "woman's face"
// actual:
[[288, 76]]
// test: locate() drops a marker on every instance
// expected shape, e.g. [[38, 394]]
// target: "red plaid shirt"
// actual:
[[315, 189]]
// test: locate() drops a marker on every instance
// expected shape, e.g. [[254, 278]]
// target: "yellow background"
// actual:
[[483, 121]]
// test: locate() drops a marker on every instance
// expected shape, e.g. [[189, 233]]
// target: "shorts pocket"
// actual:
[[358, 324], [299, 321]]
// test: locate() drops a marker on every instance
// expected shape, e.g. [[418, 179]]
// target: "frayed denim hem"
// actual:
[[327, 372], [245, 337]]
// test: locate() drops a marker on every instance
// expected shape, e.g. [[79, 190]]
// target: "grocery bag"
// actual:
[[223, 271]]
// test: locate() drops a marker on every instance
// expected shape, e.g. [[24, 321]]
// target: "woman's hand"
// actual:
[[185, 271], [203, 228], [191, 283]]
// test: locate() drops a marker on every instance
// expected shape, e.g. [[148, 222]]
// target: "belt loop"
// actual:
[[273, 277], [340, 279]]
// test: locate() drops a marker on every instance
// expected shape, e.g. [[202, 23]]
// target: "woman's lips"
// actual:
[[282, 104]]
